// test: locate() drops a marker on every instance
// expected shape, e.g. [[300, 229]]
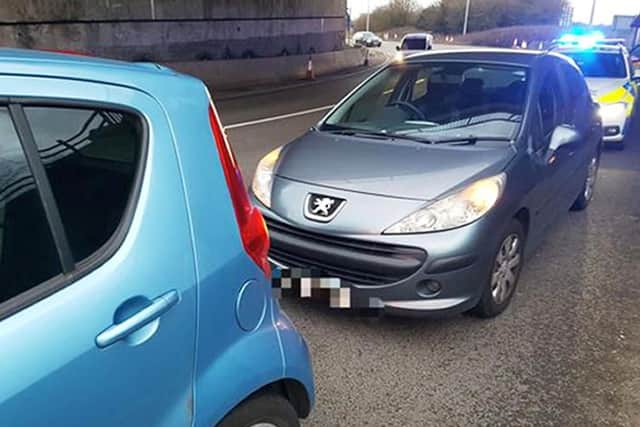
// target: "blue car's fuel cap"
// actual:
[[251, 305]]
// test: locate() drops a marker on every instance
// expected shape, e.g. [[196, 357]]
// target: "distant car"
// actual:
[[609, 72], [133, 266], [366, 38], [423, 190], [635, 63], [416, 41]]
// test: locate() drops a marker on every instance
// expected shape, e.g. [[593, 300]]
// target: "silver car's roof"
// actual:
[[511, 56]]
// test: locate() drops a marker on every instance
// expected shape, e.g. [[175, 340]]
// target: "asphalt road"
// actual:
[[566, 353]]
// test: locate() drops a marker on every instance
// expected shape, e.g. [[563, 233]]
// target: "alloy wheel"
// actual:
[[592, 176], [506, 269]]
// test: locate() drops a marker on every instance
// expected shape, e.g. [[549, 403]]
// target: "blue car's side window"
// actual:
[[91, 158], [28, 254]]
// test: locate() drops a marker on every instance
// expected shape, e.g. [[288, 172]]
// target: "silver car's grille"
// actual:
[[359, 262]]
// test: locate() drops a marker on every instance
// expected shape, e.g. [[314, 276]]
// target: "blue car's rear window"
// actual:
[[28, 254], [87, 160], [91, 157]]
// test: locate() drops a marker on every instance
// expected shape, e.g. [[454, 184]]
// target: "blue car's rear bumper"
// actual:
[[296, 356]]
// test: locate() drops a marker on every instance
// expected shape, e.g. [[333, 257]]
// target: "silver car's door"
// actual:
[[549, 168], [579, 113]]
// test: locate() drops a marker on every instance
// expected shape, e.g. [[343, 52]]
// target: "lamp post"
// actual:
[[593, 12], [466, 18], [368, 13]]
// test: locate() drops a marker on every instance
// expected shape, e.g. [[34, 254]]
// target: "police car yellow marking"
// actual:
[[619, 95]]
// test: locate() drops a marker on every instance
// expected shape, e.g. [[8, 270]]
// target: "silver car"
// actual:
[[425, 189]]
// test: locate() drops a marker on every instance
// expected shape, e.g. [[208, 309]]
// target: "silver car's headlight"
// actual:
[[263, 178], [454, 211], [613, 112]]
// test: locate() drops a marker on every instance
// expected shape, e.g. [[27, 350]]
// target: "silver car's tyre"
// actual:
[[499, 287], [586, 195], [266, 410]]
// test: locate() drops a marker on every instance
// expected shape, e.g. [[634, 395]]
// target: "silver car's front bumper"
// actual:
[[459, 261]]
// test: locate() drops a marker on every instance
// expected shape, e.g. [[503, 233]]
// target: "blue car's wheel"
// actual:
[[264, 410]]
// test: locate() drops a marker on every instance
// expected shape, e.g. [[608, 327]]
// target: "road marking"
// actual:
[[281, 117]]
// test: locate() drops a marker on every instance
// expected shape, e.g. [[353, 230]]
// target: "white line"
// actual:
[[282, 117]]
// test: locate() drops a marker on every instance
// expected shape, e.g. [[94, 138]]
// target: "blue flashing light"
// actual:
[[583, 41], [569, 38]]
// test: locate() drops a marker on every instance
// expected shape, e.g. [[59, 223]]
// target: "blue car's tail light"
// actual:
[[253, 230]]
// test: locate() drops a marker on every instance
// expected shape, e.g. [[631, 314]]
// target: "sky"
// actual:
[[605, 9]]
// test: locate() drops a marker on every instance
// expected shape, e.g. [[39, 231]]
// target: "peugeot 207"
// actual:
[[426, 187], [133, 266]]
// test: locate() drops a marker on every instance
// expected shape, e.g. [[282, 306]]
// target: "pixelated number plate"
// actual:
[[308, 283]]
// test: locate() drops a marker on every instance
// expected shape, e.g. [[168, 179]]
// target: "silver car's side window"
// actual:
[[549, 110], [578, 96]]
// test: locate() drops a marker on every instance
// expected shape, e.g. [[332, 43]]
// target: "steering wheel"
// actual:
[[407, 106]]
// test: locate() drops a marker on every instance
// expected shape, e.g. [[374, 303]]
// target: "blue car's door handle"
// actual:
[[119, 331]]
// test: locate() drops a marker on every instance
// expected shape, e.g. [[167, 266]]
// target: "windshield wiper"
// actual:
[[356, 132], [377, 135], [471, 140]]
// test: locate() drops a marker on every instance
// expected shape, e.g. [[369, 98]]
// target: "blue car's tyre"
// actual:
[[262, 410]]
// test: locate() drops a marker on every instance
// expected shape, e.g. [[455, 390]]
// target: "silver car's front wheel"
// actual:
[[592, 175], [586, 195], [506, 269]]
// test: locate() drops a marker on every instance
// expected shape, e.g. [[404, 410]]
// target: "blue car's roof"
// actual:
[[144, 76]]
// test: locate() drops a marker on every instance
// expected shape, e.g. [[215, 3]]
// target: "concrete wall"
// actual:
[[175, 30], [92, 10], [243, 73]]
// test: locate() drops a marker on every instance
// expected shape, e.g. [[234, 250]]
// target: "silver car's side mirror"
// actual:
[[563, 135], [398, 48]]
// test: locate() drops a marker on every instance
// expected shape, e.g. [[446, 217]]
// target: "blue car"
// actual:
[[133, 267]]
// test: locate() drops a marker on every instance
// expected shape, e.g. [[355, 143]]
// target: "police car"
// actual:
[[609, 71]]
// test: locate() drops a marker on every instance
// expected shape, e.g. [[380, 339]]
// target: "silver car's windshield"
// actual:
[[438, 101]]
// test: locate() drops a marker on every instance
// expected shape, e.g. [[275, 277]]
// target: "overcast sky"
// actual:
[[605, 9]]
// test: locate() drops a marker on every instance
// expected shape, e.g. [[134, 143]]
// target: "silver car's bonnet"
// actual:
[[396, 168]]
